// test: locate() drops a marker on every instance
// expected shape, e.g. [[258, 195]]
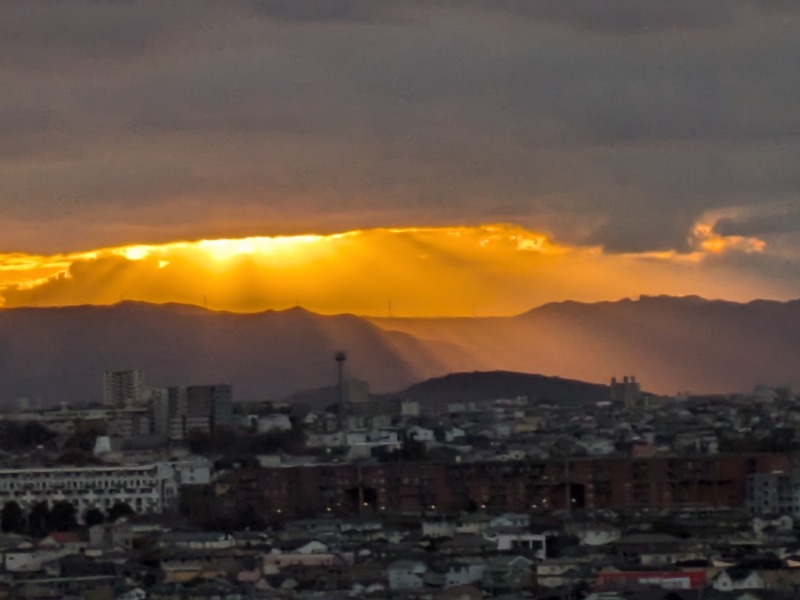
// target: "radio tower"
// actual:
[[341, 357]]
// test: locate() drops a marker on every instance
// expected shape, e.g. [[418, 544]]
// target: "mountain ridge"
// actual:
[[670, 343]]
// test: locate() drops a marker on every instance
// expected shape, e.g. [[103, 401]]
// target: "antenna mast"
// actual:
[[341, 357]]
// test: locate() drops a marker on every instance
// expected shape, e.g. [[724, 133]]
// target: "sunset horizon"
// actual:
[[496, 269]]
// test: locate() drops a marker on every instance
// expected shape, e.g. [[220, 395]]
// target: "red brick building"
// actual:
[[613, 483]]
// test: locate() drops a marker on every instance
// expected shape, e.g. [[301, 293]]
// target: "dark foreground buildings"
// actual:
[[672, 482]]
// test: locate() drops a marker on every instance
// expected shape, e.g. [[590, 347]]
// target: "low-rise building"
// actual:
[[406, 575], [147, 488]]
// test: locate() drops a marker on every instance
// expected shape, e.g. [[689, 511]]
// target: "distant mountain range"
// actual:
[[60, 354], [670, 344]]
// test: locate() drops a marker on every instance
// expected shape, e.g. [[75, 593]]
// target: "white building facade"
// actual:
[[148, 488]]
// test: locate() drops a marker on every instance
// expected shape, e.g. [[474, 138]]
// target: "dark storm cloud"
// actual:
[[619, 16], [53, 35], [316, 11], [776, 222], [610, 16], [23, 120], [618, 123]]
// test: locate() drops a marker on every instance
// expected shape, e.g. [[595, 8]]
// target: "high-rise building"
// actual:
[[167, 406], [211, 404], [177, 411], [123, 388]]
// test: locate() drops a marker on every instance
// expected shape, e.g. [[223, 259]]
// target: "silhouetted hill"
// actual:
[[60, 354], [481, 385], [670, 343]]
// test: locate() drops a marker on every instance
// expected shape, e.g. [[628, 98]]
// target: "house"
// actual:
[[273, 422], [133, 594], [508, 520], [598, 446], [65, 540], [333, 439], [438, 529], [406, 575], [464, 572], [506, 539], [667, 579], [596, 534], [28, 560], [312, 547], [527, 424], [703, 441], [508, 572], [453, 433], [738, 579], [197, 540], [555, 573], [420, 434], [111, 535], [277, 561]]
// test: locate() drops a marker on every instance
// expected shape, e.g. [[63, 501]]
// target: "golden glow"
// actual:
[[135, 252], [221, 250], [489, 269], [714, 243]]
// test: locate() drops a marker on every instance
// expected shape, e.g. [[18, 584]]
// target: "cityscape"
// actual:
[[399, 300], [183, 492]]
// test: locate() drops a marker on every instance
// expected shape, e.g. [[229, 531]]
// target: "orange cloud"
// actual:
[[490, 269], [714, 243]]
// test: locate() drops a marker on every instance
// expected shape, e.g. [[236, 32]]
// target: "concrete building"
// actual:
[[123, 388], [148, 488], [177, 411], [774, 493], [626, 392], [160, 412], [129, 423], [122, 422], [208, 407]]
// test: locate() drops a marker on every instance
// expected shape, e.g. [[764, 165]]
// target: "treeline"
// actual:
[[232, 443], [62, 516], [23, 436]]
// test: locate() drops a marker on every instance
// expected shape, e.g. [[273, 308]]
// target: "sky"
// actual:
[[650, 147]]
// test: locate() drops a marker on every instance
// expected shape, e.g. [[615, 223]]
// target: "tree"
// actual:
[[119, 510], [12, 519], [93, 516], [250, 519], [63, 517], [412, 450], [23, 436], [39, 520]]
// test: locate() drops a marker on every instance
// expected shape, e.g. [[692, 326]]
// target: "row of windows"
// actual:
[[89, 474], [76, 485]]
